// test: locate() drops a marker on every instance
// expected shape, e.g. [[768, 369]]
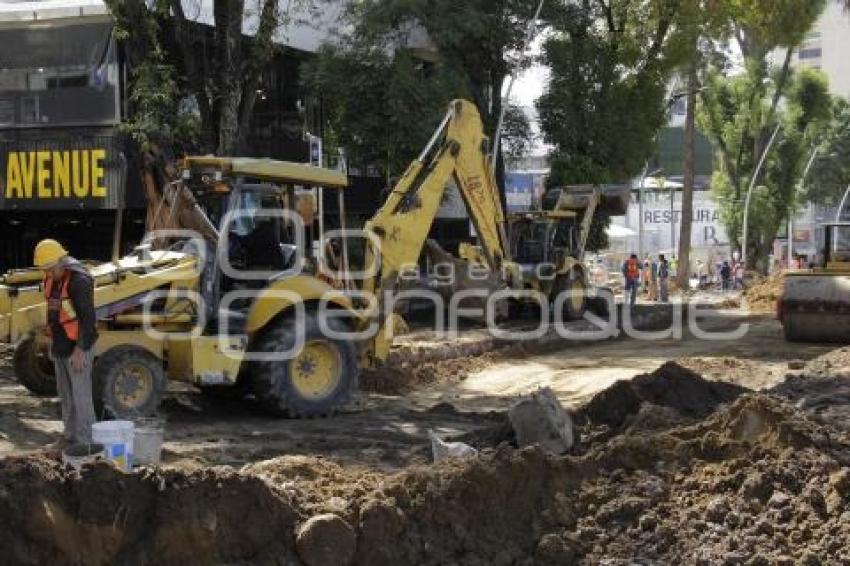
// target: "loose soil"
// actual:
[[762, 293], [757, 480], [737, 452]]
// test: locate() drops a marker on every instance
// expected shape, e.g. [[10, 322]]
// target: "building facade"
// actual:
[[66, 169]]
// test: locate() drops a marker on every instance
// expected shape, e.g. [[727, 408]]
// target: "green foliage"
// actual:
[[607, 100], [830, 173], [385, 90], [740, 108], [382, 106], [737, 122], [153, 96]]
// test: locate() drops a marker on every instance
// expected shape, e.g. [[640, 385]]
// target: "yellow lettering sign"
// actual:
[[97, 188], [14, 184], [43, 160], [61, 174], [77, 173], [28, 171], [80, 160]]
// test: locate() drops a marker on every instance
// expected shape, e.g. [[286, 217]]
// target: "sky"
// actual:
[[527, 89]]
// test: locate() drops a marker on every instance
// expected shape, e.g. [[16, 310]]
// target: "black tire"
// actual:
[[275, 383], [34, 369], [600, 304], [572, 309], [116, 371]]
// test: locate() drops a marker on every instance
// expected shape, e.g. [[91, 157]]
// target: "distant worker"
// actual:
[[653, 281], [701, 275], [663, 278], [673, 266], [725, 276], [631, 273], [646, 276], [739, 275], [69, 292]]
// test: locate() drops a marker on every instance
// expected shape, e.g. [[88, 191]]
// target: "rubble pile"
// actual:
[[761, 294]]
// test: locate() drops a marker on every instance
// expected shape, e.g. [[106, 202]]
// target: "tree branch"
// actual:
[[196, 80]]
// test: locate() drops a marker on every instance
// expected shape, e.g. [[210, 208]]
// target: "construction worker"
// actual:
[[663, 278], [631, 273], [69, 292]]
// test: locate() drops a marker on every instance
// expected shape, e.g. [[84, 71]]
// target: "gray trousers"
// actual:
[[75, 392], [663, 288]]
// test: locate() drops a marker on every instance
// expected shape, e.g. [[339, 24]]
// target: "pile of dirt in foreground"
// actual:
[[756, 481], [761, 295]]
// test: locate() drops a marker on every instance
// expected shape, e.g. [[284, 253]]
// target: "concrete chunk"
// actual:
[[540, 419]]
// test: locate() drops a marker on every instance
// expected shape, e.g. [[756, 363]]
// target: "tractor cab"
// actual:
[[268, 215], [836, 249]]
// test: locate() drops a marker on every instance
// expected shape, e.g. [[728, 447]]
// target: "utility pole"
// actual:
[[750, 193]]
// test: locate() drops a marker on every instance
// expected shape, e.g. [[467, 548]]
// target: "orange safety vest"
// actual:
[[67, 314], [632, 269]]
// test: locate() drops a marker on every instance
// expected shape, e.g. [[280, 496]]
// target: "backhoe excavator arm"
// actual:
[[458, 150]]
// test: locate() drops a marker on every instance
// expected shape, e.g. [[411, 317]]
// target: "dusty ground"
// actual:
[[671, 467], [452, 397]]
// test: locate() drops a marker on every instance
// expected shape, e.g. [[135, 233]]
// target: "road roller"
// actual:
[[815, 302]]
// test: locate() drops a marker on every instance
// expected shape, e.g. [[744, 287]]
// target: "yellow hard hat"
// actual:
[[48, 252]]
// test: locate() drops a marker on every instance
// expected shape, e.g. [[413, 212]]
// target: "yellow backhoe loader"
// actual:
[[815, 302], [223, 307], [547, 245]]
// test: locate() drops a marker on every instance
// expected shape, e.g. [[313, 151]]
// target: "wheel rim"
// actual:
[[133, 385], [316, 370]]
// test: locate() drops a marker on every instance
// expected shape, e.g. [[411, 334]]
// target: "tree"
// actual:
[[607, 95], [741, 111], [388, 80], [217, 68], [735, 120], [830, 174]]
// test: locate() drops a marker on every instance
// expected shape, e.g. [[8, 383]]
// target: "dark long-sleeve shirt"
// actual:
[[81, 293]]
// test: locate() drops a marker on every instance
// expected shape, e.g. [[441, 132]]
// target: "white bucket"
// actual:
[[76, 455], [147, 440], [117, 439]]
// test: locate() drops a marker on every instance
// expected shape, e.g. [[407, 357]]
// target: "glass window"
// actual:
[[840, 243], [58, 75], [811, 53]]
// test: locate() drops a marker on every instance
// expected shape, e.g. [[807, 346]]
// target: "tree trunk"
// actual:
[[228, 16], [683, 274]]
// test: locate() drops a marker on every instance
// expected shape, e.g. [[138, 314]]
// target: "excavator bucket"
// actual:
[[613, 199]]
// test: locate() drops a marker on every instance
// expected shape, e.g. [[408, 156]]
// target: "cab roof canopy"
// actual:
[[269, 170]]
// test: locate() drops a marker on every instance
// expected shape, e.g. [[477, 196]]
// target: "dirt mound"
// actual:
[[104, 516], [398, 378], [671, 385], [756, 479], [834, 362], [762, 293]]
